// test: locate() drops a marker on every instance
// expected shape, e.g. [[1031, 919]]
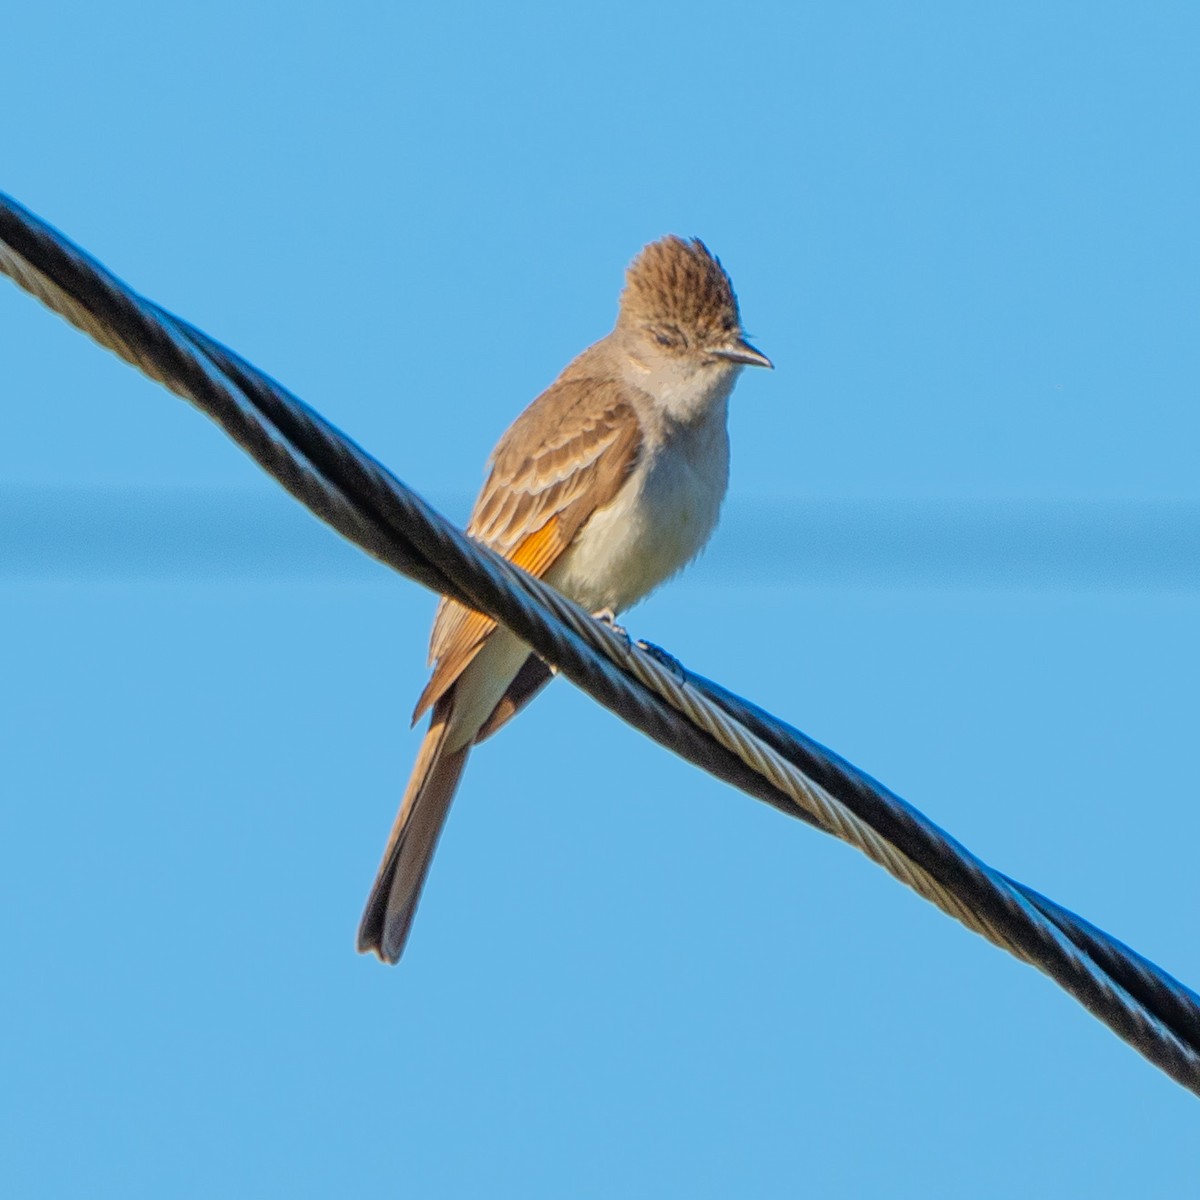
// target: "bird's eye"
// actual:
[[669, 336]]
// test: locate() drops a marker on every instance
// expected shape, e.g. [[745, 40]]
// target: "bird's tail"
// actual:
[[392, 903]]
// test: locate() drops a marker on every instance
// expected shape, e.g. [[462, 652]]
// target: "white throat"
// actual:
[[681, 390]]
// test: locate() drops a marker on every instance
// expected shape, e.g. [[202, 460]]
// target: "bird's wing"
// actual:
[[566, 456]]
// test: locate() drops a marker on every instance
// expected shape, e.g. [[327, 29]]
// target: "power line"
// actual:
[[695, 718]]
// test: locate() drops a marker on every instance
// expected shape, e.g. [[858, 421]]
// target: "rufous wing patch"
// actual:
[[459, 632], [566, 456]]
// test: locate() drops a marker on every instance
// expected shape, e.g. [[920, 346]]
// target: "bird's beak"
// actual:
[[742, 352]]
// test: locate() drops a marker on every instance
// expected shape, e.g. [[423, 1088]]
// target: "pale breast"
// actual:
[[659, 521]]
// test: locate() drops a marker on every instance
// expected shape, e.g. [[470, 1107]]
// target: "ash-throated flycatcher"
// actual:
[[605, 486]]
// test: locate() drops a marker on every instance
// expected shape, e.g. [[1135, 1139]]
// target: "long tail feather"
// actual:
[[388, 916]]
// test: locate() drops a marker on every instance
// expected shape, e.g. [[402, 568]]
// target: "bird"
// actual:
[[608, 484]]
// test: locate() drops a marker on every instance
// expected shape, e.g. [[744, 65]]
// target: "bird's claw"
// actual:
[[606, 616]]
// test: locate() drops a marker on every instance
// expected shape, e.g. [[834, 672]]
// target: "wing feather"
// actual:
[[566, 456]]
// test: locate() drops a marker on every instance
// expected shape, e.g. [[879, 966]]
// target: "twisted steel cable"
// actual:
[[694, 717]]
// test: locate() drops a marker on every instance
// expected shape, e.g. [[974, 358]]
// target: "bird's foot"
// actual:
[[606, 616], [664, 659]]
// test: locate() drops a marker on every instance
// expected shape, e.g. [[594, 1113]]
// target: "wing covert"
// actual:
[[566, 456]]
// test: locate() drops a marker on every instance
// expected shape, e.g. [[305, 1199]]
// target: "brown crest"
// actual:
[[679, 282]]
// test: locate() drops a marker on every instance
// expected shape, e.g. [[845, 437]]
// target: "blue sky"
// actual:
[[959, 549]]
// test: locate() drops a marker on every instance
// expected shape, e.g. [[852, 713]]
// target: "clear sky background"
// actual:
[[961, 548]]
